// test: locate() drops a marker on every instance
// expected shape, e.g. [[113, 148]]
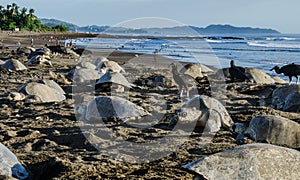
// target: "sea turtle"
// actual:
[[113, 79], [14, 65], [193, 70], [52, 84], [44, 51], [99, 60], [85, 64], [41, 92], [25, 50], [292, 102], [271, 129], [60, 78], [71, 53], [208, 112], [105, 66], [258, 76], [39, 59], [10, 167], [84, 75], [278, 80], [250, 161], [280, 94], [105, 107]]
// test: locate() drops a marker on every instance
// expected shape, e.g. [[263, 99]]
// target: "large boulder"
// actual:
[[208, 113], [42, 92], [14, 65], [251, 161], [10, 166]]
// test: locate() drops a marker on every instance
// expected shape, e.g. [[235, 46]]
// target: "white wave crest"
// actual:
[[274, 45]]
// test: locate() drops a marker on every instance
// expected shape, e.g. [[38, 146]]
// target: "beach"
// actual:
[[51, 143]]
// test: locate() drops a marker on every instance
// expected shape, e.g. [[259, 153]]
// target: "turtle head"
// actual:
[[238, 128]]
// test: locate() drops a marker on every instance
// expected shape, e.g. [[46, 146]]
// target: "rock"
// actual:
[[14, 65], [106, 66], [42, 92], [103, 107], [251, 161], [10, 165], [258, 76], [52, 84], [193, 70], [38, 59], [280, 94], [207, 111], [271, 129], [292, 103]]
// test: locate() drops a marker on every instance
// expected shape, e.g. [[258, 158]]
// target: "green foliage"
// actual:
[[12, 17], [60, 28]]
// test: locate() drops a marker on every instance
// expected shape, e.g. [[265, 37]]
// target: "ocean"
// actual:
[[258, 51]]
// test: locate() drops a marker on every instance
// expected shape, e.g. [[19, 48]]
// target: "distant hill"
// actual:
[[180, 30], [55, 22], [228, 29]]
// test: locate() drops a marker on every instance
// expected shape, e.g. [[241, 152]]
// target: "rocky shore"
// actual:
[[47, 117]]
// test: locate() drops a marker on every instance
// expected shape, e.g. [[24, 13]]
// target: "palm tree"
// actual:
[[1, 12], [23, 12], [14, 10], [31, 14], [23, 18]]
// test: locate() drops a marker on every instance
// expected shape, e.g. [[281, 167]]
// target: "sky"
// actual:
[[281, 15]]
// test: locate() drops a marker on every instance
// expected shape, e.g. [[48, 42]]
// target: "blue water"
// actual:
[[259, 51]]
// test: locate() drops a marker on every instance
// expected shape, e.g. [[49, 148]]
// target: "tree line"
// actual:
[[12, 17]]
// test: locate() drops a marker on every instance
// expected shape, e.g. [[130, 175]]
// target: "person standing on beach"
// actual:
[[31, 42]]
